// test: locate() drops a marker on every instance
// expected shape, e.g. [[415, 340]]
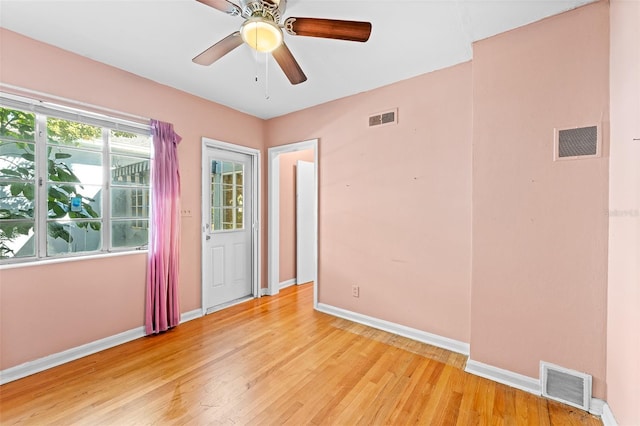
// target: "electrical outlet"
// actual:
[[355, 291], [185, 212]]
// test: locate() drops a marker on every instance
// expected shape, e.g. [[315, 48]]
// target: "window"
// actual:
[[227, 192], [70, 182]]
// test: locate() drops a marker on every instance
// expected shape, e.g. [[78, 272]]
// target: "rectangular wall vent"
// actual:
[[575, 143], [565, 385], [383, 118]]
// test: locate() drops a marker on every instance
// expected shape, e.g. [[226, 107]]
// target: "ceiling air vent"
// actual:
[[577, 143], [384, 118], [566, 386]]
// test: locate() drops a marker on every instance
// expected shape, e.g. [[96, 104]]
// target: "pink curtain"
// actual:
[[162, 304]]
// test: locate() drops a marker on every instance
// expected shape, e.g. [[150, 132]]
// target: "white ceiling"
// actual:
[[157, 39]]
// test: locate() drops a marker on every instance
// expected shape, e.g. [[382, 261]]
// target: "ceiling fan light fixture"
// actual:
[[261, 34]]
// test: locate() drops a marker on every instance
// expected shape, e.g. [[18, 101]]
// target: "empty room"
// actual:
[[320, 212]]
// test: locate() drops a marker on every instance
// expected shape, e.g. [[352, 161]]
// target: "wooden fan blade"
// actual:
[[223, 6], [329, 28], [219, 49], [289, 65]]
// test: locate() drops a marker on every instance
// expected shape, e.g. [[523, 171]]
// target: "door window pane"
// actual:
[[226, 195]]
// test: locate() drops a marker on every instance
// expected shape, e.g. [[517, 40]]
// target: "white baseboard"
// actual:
[[596, 406], [288, 283], [188, 316], [506, 377], [607, 416], [401, 330], [50, 361]]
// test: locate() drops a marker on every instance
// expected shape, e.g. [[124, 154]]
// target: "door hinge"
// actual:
[[40, 182]]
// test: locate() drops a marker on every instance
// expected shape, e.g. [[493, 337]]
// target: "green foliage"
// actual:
[[17, 124], [17, 177], [69, 132]]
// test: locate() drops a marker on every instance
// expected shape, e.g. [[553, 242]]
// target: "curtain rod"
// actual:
[[45, 97]]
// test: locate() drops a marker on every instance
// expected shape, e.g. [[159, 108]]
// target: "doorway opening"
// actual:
[[310, 219]]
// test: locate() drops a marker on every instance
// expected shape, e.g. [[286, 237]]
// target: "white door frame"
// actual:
[[255, 216], [274, 213]]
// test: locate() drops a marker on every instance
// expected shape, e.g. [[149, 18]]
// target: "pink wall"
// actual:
[[539, 228], [81, 286], [288, 211], [623, 320], [395, 201]]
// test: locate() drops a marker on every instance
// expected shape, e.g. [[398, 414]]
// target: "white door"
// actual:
[[305, 222], [227, 222]]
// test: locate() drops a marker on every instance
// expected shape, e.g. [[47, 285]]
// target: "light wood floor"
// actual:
[[273, 361]]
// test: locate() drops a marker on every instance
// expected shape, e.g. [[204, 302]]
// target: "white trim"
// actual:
[[596, 406], [191, 315], [506, 377], [50, 361], [265, 292], [608, 418], [257, 210], [288, 283], [53, 260], [400, 330], [273, 173], [54, 360]]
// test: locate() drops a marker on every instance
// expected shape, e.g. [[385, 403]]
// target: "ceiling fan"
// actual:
[[262, 31]]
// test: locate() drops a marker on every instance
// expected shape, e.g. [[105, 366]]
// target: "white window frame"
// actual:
[[41, 111]]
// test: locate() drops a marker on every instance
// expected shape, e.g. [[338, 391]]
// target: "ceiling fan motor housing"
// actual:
[[264, 8]]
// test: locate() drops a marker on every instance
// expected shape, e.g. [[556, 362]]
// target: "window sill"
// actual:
[[50, 261]]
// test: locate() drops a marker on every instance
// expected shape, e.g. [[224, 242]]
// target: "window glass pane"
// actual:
[[75, 165], [239, 222], [227, 195], [17, 125], [130, 202], [74, 201], [17, 183], [216, 196], [16, 200], [227, 218], [130, 170], [239, 198], [16, 238], [73, 237], [17, 160], [129, 233], [71, 133], [129, 143]]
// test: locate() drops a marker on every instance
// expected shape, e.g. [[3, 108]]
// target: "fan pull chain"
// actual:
[[256, 57], [266, 76]]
